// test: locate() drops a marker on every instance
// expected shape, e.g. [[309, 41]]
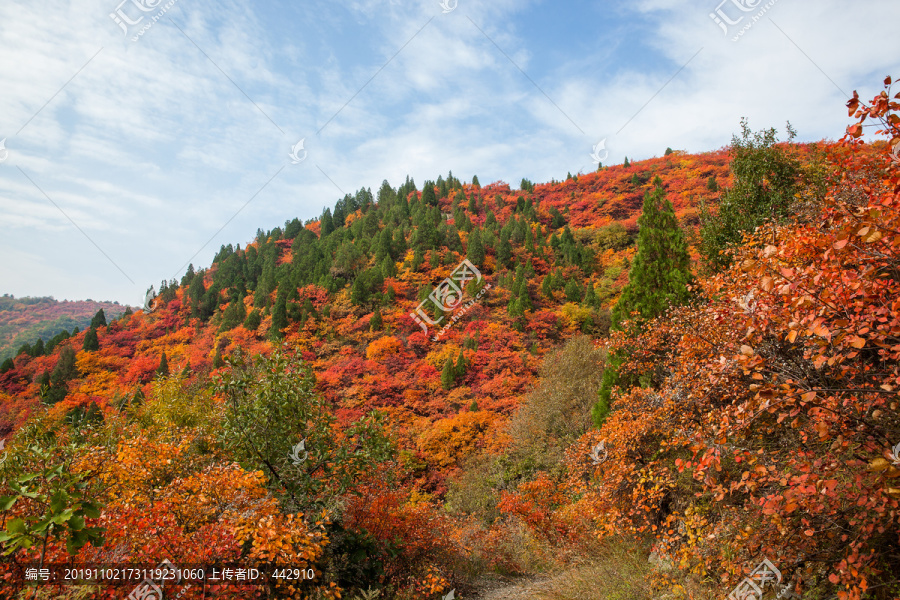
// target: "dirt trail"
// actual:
[[504, 588]]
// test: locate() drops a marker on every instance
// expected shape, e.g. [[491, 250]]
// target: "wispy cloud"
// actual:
[[156, 146]]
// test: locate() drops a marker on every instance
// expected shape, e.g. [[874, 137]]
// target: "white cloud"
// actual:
[[151, 149]]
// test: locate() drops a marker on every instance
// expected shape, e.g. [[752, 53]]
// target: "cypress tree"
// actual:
[[447, 375], [251, 323], [327, 223], [99, 319], [163, 368], [218, 362], [476, 248], [573, 291], [661, 269], [376, 322], [91, 342], [658, 279], [460, 369], [279, 315]]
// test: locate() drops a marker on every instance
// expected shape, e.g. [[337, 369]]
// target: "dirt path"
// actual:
[[508, 588]]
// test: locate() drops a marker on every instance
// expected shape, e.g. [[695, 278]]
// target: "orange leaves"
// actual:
[[382, 347], [452, 440]]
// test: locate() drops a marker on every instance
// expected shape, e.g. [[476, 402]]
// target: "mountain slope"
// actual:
[[24, 320]]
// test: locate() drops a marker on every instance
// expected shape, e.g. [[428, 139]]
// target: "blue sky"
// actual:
[[127, 159]]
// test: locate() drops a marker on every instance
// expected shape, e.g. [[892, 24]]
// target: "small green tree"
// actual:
[[766, 177], [573, 291], [45, 499], [660, 271], [276, 422], [251, 323], [91, 341], [448, 377], [279, 315], [163, 368], [376, 323], [476, 248], [658, 279], [99, 319], [459, 370]]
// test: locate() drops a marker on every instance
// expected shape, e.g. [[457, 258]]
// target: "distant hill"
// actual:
[[24, 320]]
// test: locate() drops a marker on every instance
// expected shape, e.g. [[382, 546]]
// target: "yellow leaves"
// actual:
[[869, 234], [748, 265], [383, 347], [767, 283], [746, 350], [808, 396], [879, 464]]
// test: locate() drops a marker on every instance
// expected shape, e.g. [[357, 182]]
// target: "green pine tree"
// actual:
[[459, 371], [447, 375], [660, 271], [163, 368], [91, 342], [99, 319], [573, 291], [376, 322], [279, 315], [476, 248], [766, 177], [658, 279], [251, 323], [218, 362]]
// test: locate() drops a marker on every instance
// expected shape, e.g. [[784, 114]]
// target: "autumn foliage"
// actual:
[[282, 408]]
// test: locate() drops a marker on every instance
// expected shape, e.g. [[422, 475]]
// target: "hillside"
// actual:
[[383, 253], [691, 358], [25, 320]]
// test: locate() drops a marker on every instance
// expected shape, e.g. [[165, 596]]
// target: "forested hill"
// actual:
[[670, 378], [341, 289], [24, 321]]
